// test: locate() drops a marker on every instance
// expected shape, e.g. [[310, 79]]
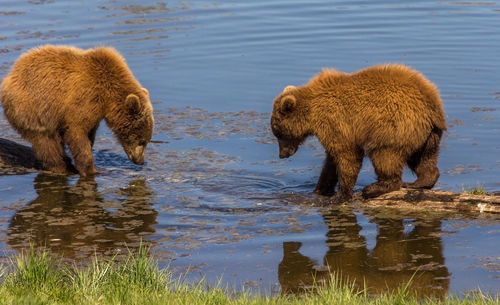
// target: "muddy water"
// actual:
[[213, 198]]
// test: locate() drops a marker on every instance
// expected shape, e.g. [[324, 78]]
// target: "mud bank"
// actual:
[[434, 200]]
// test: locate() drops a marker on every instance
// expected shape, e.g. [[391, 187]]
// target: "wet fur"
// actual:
[[390, 113], [57, 95]]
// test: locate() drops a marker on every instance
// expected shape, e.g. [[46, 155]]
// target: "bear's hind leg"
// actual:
[[50, 150], [423, 162], [388, 166], [328, 177]]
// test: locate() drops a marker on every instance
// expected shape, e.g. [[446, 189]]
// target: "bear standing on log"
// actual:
[[57, 95], [390, 113]]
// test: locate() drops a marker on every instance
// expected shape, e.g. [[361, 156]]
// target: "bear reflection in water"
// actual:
[[74, 220], [399, 256]]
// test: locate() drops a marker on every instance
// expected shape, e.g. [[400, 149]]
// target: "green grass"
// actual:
[[477, 190], [36, 278]]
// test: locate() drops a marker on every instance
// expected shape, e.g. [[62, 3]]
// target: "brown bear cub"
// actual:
[[57, 95], [390, 113]]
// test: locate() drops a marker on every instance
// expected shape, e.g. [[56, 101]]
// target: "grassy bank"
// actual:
[[477, 190], [35, 278]]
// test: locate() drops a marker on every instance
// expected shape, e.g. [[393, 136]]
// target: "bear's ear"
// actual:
[[145, 91], [289, 88], [133, 103], [288, 103]]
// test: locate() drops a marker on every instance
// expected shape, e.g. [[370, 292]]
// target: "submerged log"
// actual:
[[434, 200], [17, 159]]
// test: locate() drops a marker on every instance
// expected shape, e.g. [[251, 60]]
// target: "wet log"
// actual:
[[17, 159], [434, 200]]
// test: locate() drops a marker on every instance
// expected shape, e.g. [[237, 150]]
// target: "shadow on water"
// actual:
[[75, 221], [399, 256]]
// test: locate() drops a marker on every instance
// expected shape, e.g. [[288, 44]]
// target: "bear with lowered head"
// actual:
[[390, 113], [57, 95]]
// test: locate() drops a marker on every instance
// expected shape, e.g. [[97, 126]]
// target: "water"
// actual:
[[213, 197]]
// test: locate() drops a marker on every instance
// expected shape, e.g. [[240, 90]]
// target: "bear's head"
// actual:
[[289, 121], [136, 126]]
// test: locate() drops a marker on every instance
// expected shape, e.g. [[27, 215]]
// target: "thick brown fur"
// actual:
[[57, 95], [390, 113]]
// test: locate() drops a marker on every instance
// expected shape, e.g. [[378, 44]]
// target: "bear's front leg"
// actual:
[[328, 178], [81, 149], [348, 166]]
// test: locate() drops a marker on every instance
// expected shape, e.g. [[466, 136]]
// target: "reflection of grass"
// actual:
[[36, 278], [477, 190]]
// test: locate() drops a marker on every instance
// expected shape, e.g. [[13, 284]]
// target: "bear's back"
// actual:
[[400, 76], [56, 81], [383, 91], [63, 67], [375, 78], [400, 79], [409, 88]]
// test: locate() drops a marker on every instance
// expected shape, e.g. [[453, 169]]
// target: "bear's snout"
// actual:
[[136, 155], [284, 153], [286, 149]]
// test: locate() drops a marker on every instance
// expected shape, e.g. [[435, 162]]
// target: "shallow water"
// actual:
[[213, 198]]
